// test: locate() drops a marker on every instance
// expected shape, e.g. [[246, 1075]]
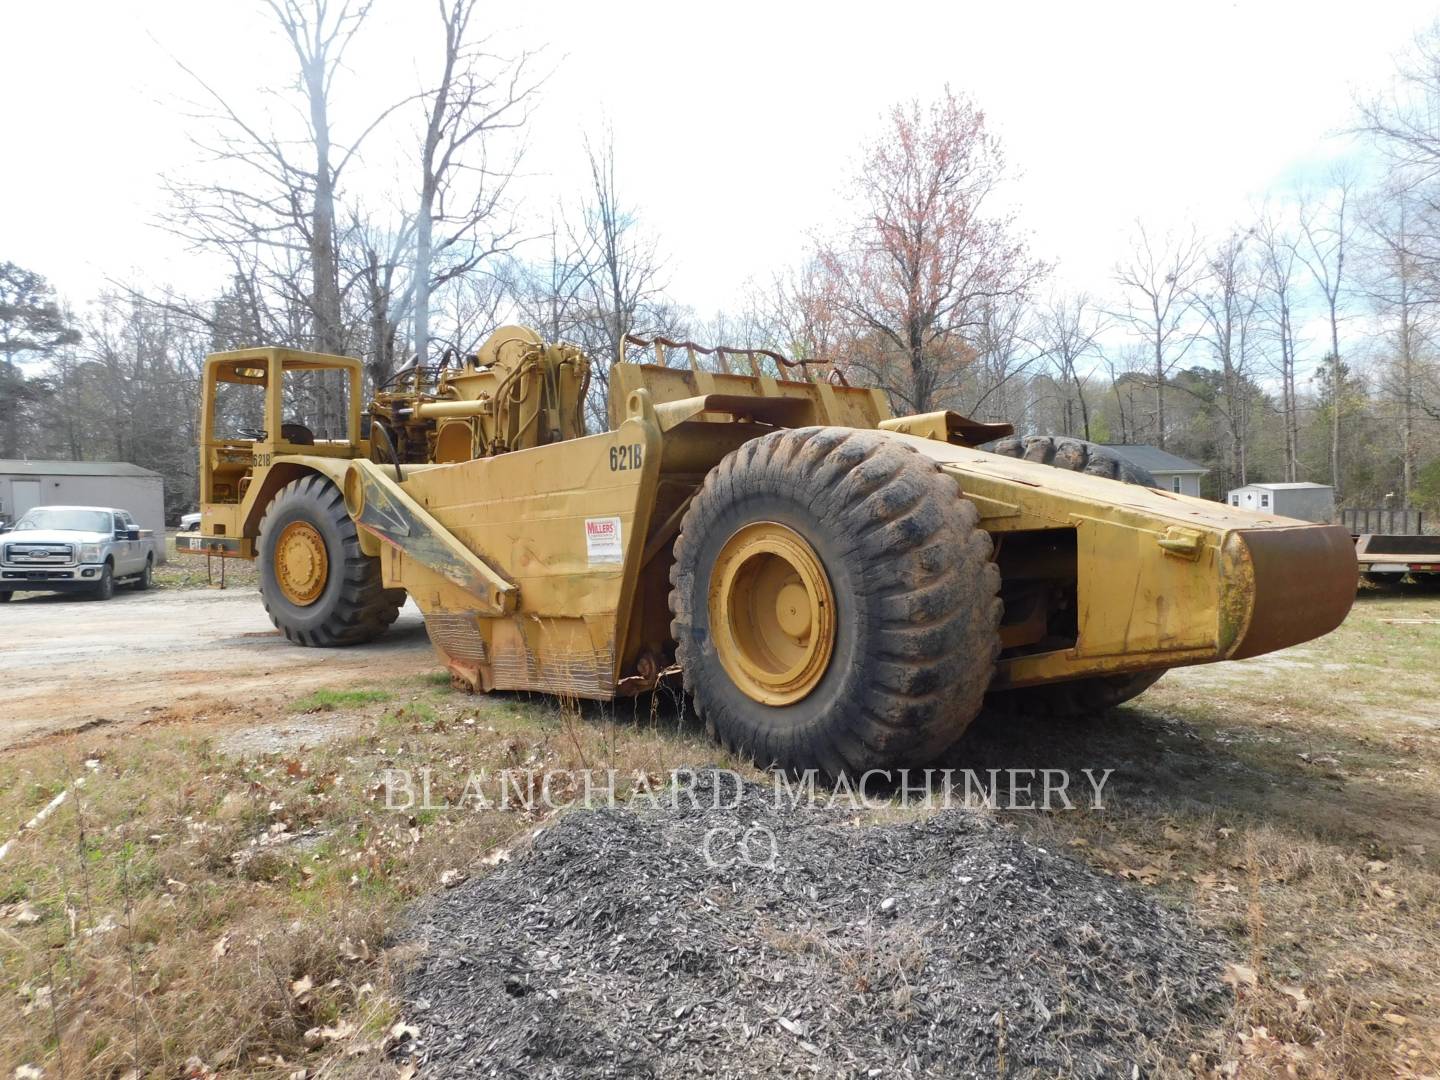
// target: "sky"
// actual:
[[736, 126]]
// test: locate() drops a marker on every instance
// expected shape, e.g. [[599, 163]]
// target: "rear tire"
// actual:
[[4, 597], [142, 582], [915, 594], [349, 605], [1076, 455], [1078, 697]]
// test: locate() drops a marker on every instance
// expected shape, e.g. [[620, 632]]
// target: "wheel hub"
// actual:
[[301, 564], [772, 613]]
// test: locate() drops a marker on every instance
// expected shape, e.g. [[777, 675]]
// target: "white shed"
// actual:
[[24, 484], [1306, 501]]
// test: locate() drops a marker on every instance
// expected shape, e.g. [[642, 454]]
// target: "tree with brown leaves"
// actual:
[[928, 249]]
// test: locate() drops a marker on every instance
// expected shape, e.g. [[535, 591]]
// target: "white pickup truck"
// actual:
[[75, 549]]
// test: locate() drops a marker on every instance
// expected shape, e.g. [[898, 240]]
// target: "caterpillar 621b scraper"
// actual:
[[838, 587]]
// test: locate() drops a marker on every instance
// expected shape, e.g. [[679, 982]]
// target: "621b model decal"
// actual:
[[627, 456]]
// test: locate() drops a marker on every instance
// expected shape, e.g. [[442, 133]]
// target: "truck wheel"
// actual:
[[105, 587], [4, 597], [835, 604], [319, 587], [1077, 455], [142, 582], [1078, 697]]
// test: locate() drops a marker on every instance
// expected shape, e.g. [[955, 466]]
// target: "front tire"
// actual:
[[797, 522], [105, 587], [319, 587], [4, 597]]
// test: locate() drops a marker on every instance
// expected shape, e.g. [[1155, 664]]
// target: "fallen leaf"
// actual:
[[1376, 866], [794, 1027], [400, 1032], [450, 878], [29, 1072], [1238, 975], [1298, 995], [25, 915], [300, 989], [220, 948], [1396, 1019]]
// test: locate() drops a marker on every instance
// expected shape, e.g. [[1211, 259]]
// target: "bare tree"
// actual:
[[1068, 329], [1227, 298], [464, 175], [927, 249], [1005, 354], [1278, 260], [1394, 287], [619, 290], [1405, 126], [1159, 280], [1325, 236], [269, 200]]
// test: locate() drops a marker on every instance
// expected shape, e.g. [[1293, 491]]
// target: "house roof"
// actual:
[[1154, 459], [15, 467], [1285, 487]]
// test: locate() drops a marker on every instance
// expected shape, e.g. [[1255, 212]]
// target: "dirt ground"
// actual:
[[244, 917], [170, 654]]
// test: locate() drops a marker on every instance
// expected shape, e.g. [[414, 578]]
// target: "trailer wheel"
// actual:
[[319, 587], [1078, 697], [1383, 577], [835, 603]]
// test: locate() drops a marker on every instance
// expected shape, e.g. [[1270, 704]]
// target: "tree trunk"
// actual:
[[325, 297]]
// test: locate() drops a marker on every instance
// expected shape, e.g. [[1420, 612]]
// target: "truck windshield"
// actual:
[[63, 518]]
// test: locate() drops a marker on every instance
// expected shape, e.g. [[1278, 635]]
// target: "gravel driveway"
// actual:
[[71, 662]]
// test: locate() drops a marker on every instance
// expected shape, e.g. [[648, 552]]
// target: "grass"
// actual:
[[1292, 803], [189, 902], [173, 904], [330, 700]]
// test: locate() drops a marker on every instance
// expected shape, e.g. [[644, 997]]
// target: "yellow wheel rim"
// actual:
[[301, 564], [772, 613]]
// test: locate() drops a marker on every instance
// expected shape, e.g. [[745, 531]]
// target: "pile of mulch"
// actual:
[[943, 947]]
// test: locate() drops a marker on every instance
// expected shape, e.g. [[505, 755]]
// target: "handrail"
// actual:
[[720, 352]]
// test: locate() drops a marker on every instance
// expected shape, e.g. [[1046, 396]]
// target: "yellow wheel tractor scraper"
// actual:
[[840, 588]]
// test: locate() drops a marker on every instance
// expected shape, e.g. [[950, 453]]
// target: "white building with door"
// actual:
[[1306, 501], [24, 484]]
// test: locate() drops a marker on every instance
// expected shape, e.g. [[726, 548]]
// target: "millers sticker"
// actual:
[[602, 540]]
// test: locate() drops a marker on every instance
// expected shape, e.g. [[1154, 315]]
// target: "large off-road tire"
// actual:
[[1077, 455], [835, 604], [319, 587], [1078, 697]]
